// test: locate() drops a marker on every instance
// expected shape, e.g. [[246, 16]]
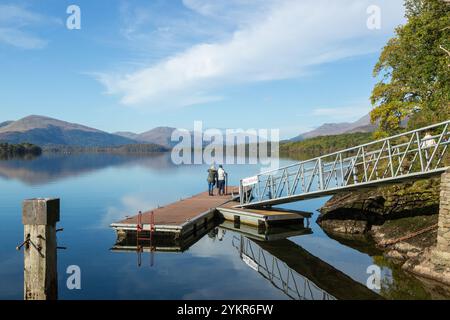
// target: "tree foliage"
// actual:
[[414, 71], [143, 148], [314, 147], [19, 150]]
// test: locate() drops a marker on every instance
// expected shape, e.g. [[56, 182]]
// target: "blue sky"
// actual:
[[134, 65]]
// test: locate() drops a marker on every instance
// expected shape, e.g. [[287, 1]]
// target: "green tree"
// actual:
[[18, 150], [414, 71]]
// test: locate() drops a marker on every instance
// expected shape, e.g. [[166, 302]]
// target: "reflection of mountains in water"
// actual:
[[52, 167]]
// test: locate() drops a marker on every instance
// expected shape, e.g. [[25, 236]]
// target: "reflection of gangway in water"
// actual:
[[293, 284], [297, 273]]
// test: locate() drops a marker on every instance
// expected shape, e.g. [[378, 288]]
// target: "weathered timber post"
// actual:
[[441, 254], [39, 217]]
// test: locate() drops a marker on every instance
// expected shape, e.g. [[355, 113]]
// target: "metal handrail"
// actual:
[[343, 166]]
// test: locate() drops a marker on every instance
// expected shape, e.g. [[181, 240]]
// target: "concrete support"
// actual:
[[39, 218], [441, 254]]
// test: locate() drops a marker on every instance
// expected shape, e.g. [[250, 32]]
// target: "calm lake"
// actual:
[[98, 189]]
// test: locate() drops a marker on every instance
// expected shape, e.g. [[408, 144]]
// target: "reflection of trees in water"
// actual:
[[28, 157], [51, 167], [398, 284]]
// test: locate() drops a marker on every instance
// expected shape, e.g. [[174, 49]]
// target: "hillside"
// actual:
[[4, 124], [361, 125], [159, 135], [163, 136], [128, 135], [317, 146], [44, 131]]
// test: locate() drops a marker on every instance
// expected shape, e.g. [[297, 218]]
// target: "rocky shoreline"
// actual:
[[361, 211], [400, 220]]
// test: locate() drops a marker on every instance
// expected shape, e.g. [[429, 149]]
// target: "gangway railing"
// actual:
[[278, 273], [407, 156]]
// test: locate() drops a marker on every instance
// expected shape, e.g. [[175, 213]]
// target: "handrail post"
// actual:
[[419, 148], [241, 192], [320, 173]]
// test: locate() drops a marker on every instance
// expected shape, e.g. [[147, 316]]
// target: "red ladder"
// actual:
[[139, 230]]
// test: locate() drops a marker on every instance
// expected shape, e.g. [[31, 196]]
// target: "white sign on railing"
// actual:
[[250, 181], [250, 262]]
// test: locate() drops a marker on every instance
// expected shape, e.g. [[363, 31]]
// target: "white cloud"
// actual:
[[14, 23], [129, 205], [18, 38], [282, 41], [232, 11], [19, 16]]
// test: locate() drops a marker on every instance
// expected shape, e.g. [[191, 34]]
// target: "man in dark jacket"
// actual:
[[212, 179]]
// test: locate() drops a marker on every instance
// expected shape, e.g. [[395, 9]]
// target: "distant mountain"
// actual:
[[159, 135], [163, 137], [235, 138], [128, 135], [45, 131], [4, 124], [361, 125]]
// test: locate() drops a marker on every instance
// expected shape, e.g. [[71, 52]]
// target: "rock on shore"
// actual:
[[360, 211]]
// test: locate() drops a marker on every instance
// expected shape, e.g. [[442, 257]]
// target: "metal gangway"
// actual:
[[277, 272], [412, 155]]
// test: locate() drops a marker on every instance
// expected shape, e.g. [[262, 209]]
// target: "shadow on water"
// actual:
[[360, 242]]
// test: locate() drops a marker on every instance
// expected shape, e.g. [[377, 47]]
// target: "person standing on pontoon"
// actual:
[[221, 178], [212, 179]]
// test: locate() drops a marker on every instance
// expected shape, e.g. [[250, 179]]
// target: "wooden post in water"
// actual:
[[39, 218]]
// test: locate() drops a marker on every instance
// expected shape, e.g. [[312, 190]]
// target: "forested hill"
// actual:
[[314, 147]]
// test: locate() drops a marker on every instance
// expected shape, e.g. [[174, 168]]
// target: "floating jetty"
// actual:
[[260, 217], [130, 243], [197, 214]]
